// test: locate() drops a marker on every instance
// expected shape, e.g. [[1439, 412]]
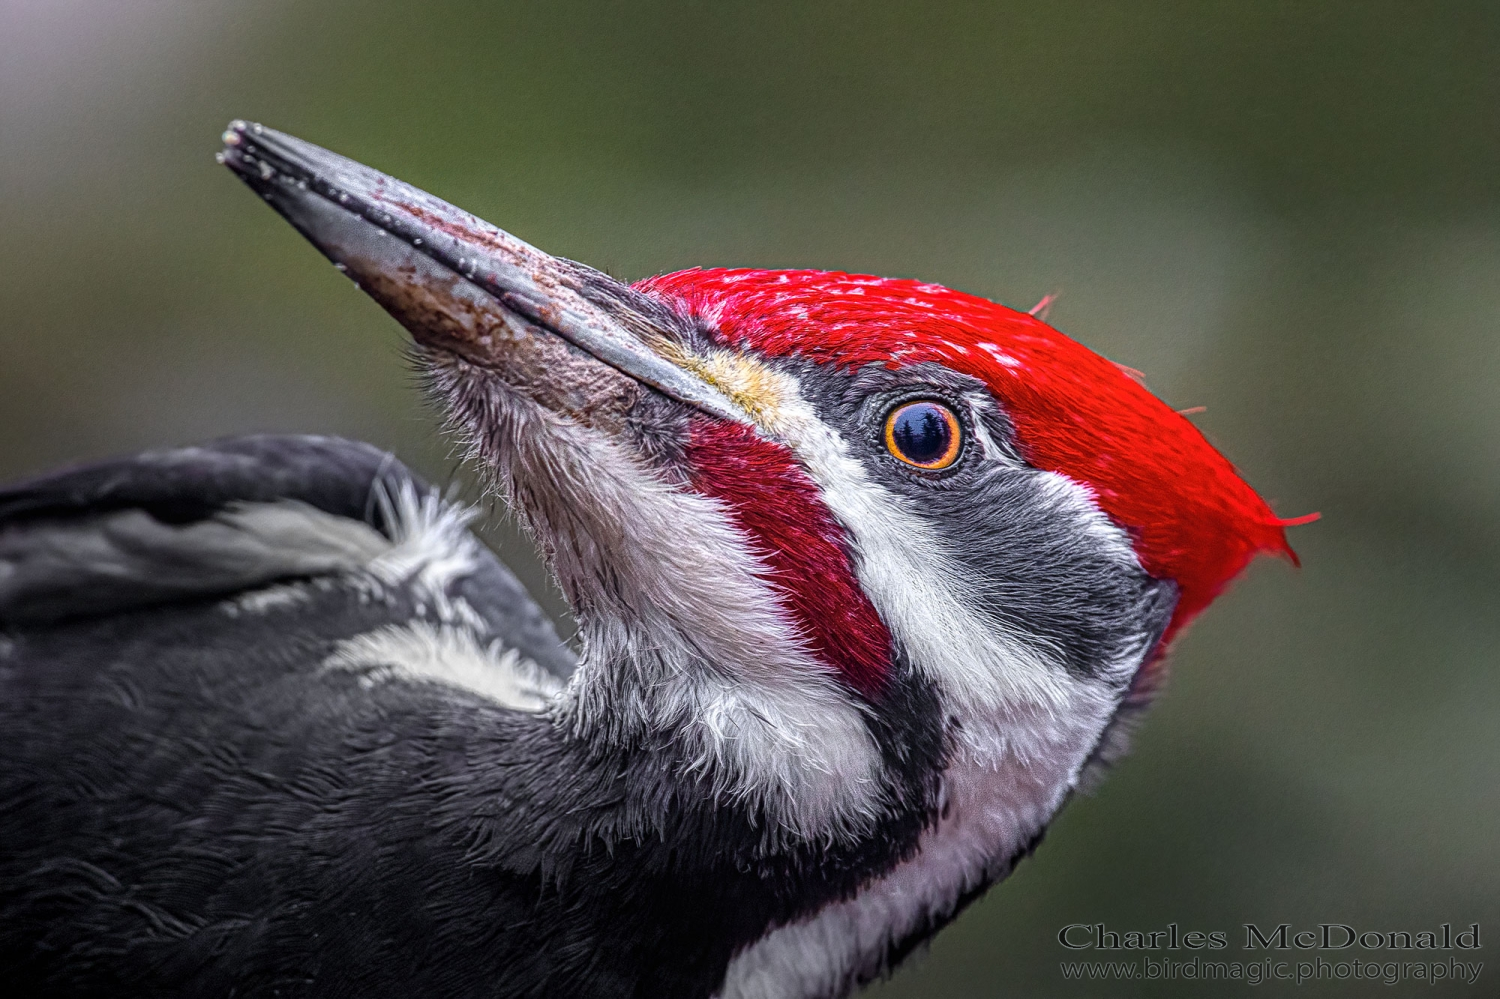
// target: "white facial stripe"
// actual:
[[711, 653], [989, 448]]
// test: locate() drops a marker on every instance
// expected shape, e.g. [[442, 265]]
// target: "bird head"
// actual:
[[838, 545]]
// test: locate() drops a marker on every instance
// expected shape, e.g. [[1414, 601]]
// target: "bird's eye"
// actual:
[[924, 434]]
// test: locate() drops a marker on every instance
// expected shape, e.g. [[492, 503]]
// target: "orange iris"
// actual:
[[924, 434]]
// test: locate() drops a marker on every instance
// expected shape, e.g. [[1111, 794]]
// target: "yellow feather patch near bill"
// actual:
[[758, 390]]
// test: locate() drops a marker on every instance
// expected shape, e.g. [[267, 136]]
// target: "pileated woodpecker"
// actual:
[[867, 573]]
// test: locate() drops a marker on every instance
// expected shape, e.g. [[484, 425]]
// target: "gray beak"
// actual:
[[461, 285]]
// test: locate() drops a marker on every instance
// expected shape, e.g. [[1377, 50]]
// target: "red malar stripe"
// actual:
[[774, 502]]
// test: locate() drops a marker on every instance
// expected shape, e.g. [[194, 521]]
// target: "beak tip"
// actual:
[[236, 134], [235, 141]]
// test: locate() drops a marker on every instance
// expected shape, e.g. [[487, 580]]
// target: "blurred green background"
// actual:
[[1285, 211]]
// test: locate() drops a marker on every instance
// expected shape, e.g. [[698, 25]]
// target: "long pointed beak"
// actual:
[[462, 285]]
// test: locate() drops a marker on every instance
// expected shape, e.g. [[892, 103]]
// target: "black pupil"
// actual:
[[921, 433]]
